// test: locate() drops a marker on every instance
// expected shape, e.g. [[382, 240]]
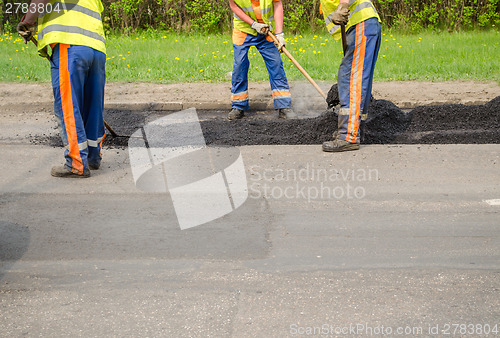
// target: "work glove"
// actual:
[[44, 52], [341, 15], [281, 41], [261, 28], [25, 29]]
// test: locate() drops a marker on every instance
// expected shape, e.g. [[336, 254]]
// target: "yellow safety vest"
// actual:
[[266, 13], [359, 11], [73, 22]]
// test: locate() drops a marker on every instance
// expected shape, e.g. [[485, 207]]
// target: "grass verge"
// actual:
[[168, 58]]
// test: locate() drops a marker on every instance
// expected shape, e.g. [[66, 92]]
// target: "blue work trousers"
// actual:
[[78, 79], [274, 64], [355, 77]]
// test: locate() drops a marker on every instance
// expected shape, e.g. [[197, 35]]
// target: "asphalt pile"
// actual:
[[386, 124], [454, 124]]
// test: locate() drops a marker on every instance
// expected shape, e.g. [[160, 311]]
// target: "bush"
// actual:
[[300, 15], [168, 15], [413, 15]]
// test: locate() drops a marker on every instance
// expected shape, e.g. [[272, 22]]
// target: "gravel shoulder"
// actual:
[[178, 96]]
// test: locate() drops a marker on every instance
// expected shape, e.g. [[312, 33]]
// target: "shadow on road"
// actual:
[[14, 242]]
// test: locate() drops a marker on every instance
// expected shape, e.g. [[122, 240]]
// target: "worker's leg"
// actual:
[[93, 106], [277, 77], [372, 56], [355, 77], [239, 88], [69, 70]]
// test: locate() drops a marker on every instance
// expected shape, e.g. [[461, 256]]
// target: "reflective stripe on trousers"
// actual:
[[78, 78], [274, 64], [355, 77]]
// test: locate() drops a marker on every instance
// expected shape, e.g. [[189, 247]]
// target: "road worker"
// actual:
[[355, 76], [75, 35], [252, 21]]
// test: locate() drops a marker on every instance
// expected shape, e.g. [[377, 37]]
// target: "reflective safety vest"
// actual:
[[359, 11], [264, 12], [73, 22]]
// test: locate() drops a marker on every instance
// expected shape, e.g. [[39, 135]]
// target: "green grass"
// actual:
[[168, 58]]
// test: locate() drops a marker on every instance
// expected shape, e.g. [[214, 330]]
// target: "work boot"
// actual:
[[287, 113], [235, 114], [94, 166], [61, 171], [338, 145]]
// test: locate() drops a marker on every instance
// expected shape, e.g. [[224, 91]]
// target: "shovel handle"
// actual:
[[111, 131], [344, 37], [299, 67]]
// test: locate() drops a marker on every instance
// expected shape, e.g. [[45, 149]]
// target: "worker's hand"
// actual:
[[281, 41], [44, 52], [26, 29], [341, 15], [261, 28]]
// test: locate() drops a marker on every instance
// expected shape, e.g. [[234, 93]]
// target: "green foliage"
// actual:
[[207, 15], [452, 15], [9, 27], [128, 16], [168, 15], [1, 17], [302, 16], [9, 21]]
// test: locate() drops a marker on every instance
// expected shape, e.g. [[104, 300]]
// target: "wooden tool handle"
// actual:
[[344, 38], [299, 67]]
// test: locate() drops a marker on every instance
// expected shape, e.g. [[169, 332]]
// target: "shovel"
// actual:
[[344, 37], [333, 94], [299, 67]]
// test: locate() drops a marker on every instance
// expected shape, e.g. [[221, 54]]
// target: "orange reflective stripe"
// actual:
[[278, 93], [67, 107], [243, 96], [239, 37], [352, 92], [103, 137], [360, 80], [356, 83], [100, 144]]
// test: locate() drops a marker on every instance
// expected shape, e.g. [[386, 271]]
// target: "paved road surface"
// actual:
[[415, 246]]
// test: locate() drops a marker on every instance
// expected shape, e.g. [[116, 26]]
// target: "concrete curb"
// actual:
[[178, 96], [259, 105], [315, 105]]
